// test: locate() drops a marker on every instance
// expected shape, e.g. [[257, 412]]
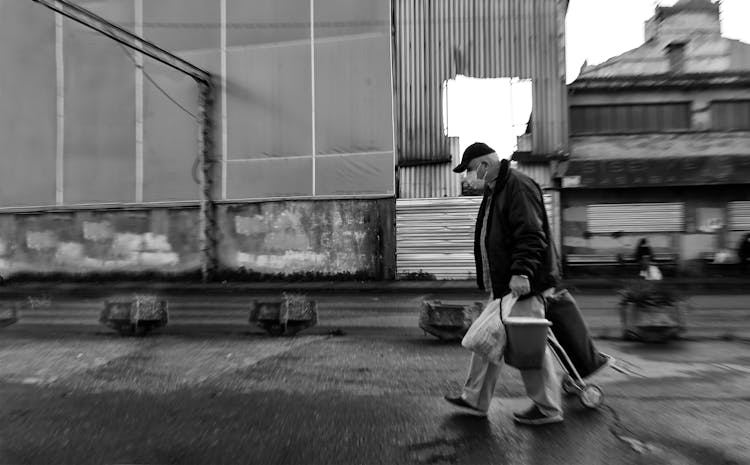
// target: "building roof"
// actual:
[[661, 81], [702, 55], [703, 52]]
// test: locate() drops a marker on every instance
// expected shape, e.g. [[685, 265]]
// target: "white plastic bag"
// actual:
[[654, 273], [486, 336]]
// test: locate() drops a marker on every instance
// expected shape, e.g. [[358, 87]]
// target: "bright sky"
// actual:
[[479, 109], [493, 111]]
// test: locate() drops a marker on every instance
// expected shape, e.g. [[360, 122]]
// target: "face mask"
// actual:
[[470, 176], [482, 171]]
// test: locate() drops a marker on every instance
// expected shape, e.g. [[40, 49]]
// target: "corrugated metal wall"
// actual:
[[539, 172], [424, 181], [436, 236], [436, 40], [739, 216], [439, 180]]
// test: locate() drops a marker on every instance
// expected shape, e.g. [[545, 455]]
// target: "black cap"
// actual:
[[475, 150]]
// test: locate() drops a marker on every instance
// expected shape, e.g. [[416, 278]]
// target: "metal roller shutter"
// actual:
[[636, 217], [436, 236], [739, 216]]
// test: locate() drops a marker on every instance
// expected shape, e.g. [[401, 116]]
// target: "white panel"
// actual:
[[739, 216], [436, 236], [636, 217]]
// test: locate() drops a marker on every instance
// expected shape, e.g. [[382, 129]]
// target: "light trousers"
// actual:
[[542, 384]]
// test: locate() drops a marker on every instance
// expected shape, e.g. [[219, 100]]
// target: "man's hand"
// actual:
[[519, 285]]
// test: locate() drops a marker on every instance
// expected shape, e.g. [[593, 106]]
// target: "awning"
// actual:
[[649, 172]]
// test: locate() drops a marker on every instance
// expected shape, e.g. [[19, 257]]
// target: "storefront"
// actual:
[[689, 208]]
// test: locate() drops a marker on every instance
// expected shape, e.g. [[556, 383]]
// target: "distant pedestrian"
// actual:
[[743, 252], [643, 256]]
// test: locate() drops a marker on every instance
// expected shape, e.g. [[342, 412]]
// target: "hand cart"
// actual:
[[590, 395]]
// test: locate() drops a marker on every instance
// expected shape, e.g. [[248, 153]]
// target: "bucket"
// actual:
[[527, 341]]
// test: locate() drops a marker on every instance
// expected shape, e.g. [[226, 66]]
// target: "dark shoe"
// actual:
[[534, 416], [461, 403]]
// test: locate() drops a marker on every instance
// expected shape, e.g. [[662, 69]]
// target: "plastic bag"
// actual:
[[486, 336], [654, 273]]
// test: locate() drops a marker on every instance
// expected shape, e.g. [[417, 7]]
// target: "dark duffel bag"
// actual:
[[572, 333]]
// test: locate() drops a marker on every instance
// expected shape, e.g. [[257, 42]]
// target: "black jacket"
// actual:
[[518, 238], [642, 251]]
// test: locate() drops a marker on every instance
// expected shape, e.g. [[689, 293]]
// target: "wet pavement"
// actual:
[[363, 387]]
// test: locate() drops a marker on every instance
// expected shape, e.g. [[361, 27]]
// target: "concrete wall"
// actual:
[[326, 237], [83, 241], [285, 237]]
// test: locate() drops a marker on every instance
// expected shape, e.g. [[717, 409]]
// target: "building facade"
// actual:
[[325, 111], [99, 171], [435, 41], [660, 146]]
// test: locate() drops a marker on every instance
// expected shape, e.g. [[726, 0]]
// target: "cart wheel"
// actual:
[[591, 396], [569, 386]]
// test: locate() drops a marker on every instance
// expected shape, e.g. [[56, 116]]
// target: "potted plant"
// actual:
[[651, 312]]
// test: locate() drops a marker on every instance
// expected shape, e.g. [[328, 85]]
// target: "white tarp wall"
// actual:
[[304, 102]]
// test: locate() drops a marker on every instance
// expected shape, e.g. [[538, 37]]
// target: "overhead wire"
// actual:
[[152, 81], [196, 162]]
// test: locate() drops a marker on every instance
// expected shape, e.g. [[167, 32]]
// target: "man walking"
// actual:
[[513, 254]]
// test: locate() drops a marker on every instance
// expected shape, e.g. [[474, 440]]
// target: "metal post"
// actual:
[[208, 224]]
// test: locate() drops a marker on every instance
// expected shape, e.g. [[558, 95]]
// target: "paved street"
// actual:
[[365, 386]]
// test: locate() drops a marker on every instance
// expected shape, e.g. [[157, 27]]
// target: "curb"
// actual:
[[98, 289]]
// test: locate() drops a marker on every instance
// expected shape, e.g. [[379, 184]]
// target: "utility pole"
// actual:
[[206, 91]]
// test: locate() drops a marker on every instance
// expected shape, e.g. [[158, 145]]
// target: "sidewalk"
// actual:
[[723, 285]]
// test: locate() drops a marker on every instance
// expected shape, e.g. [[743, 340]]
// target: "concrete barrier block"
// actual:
[[285, 317], [8, 313], [447, 322], [134, 315]]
